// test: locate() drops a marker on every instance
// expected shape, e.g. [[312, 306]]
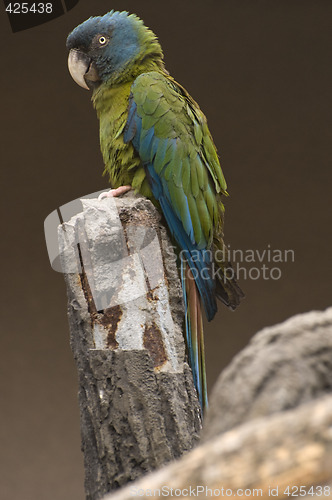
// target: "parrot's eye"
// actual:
[[102, 40]]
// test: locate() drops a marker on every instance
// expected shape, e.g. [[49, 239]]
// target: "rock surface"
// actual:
[[265, 458], [282, 367], [268, 431]]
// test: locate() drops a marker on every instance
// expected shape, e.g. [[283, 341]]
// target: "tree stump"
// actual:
[[138, 405]]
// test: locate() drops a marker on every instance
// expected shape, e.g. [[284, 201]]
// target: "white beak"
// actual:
[[78, 64]]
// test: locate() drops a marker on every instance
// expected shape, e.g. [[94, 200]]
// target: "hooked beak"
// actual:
[[82, 69]]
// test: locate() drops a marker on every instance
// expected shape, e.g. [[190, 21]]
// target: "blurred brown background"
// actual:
[[261, 72]]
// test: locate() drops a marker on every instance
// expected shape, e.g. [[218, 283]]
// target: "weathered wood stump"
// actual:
[[138, 404]]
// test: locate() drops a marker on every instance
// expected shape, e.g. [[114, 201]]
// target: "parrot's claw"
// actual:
[[114, 192]]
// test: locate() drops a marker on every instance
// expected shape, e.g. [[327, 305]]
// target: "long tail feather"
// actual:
[[194, 333]]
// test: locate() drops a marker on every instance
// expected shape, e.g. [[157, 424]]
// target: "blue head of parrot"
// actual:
[[110, 48]]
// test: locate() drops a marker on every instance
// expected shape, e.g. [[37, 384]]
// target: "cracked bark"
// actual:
[[138, 405]]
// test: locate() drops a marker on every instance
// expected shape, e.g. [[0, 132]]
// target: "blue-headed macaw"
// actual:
[[155, 138]]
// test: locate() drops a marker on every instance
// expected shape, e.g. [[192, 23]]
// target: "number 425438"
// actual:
[[301, 491], [24, 8]]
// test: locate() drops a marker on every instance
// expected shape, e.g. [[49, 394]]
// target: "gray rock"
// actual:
[[282, 367], [284, 455]]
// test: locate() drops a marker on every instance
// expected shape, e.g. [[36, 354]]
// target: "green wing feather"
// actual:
[[190, 168]]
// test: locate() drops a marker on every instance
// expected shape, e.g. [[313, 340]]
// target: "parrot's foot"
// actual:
[[114, 192]]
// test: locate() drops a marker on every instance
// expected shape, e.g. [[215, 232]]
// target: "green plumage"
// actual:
[[191, 170]]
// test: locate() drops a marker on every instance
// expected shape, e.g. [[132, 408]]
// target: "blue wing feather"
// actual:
[[158, 156], [160, 150]]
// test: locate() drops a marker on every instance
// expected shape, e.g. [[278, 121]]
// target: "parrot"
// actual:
[[154, 139]]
